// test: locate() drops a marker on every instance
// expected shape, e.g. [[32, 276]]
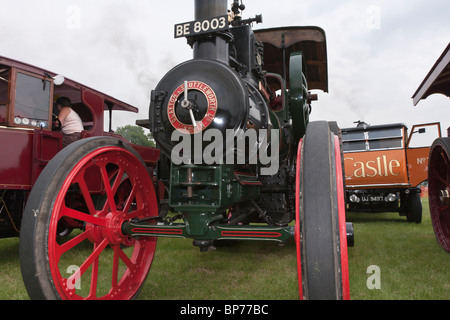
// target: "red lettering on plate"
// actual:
[[211, 98]]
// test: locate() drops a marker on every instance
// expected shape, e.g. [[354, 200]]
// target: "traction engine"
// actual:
[[239, 161]]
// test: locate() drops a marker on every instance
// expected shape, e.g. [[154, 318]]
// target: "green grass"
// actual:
[[412, 266], [245, 270]]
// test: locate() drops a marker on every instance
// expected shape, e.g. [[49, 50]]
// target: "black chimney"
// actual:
[[211, 46]]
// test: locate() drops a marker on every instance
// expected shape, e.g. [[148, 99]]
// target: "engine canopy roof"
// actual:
[[311, 41]]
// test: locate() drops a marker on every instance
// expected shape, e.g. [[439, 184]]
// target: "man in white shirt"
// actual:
[[71, 124]]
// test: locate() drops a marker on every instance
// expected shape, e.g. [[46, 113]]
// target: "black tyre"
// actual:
[[322, 227]]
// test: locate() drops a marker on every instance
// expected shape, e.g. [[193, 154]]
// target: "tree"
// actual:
[[136, 135]]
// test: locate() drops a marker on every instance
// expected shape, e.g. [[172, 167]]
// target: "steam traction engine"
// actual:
[[239, 161]]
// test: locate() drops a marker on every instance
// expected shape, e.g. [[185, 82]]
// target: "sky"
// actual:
[[379, 51]]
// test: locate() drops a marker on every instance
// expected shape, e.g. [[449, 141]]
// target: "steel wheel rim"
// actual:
[[297, 221], [103, 227], [342, 221], [439, 189]]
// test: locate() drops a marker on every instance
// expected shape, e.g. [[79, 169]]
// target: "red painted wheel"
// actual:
[[320, 230], [439, 190], [96, 184], [342, 219], [297, 220]]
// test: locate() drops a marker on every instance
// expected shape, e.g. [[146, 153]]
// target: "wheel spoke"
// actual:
[[444, 158], [118, 180], [115, 271], [94, 279], [78, 215], [125, 259], [119, 254], [136, 214], [89, 261], [130, 199], [87, 196], [108, 190], [61, 249]]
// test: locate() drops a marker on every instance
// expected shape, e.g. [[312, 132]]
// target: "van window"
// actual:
[[32, 101], [387, 138], [376, 139]]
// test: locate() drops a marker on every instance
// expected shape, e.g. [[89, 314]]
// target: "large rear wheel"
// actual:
[[91, 188], [439, 190], [321, 224]]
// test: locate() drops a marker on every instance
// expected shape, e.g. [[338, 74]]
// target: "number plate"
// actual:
[[199, 27], [372, 198]]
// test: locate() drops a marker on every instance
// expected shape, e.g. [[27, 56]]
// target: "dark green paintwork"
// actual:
[[212, 230], [298, 100]]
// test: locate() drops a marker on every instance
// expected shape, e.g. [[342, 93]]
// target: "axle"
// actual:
[[209, 232]]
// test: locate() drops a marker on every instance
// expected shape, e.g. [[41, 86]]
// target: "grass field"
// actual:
[[411, 266]]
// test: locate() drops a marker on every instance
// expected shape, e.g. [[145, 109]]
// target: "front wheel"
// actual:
[[321, 234], [94, 185]]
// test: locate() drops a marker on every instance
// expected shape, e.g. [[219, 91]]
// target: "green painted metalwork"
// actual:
[[213, 231], [203, 194], [209, 189], [279, 117], [298, 101]]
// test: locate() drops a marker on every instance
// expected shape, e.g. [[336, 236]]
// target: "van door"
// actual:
[[418, 149]]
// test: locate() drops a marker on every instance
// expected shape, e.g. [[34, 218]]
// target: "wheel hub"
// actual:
[[112, 231]]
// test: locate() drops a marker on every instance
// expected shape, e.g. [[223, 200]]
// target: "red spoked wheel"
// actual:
[[95, 185], [439, 190], [320, 230]]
